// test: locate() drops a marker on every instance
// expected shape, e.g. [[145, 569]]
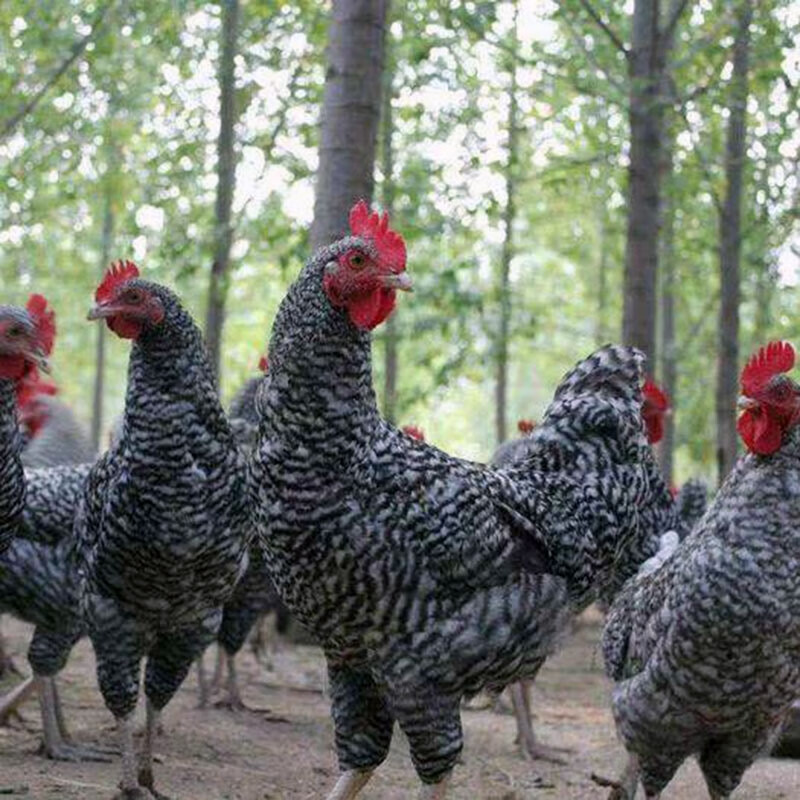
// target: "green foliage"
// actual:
[[132, 123]]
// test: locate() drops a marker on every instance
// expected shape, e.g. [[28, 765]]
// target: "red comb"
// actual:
[[775, 358], [118, 273], [414, 432], [263, 364], [656, 395], [525, 425], [389, 244], [45, 320]]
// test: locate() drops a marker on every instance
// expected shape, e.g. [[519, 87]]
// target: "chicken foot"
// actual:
[[527, 739], [56, 744]]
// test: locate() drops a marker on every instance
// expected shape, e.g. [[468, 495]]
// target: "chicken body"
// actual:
[[706, 650], [255, 594], [12, 480], [691, 502], [425, 577], [162, 530], [61, 440]]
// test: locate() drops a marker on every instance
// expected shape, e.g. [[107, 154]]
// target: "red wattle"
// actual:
[[125, 327], [13, 367], [760, 433]]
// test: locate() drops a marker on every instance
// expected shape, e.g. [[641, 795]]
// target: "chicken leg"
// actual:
[[145, 774], [15, 698], [527, 739], [350, 784], [56, 744]]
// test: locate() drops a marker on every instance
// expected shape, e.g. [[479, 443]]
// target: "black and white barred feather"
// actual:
[[706, 650], [425, 577], [12, 481], [62, 440], [163, 527]]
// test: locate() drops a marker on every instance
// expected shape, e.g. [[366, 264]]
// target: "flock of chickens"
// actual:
[[425, 578]]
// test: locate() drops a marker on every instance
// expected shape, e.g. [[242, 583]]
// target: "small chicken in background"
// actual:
[[255, 595], [54, 437], [705, 648]]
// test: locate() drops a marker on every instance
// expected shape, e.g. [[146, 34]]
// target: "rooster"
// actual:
[[705, 648], [425, 577], [163, 528]]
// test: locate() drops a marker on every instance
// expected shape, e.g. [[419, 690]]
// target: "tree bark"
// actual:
[[507, 251], [645, 65], [100, 342], [600, 330], [669, 372], [730, 247], [387, 200], [350, 114], [226, 181]]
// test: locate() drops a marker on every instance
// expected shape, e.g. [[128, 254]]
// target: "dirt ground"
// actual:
[[220, 755]]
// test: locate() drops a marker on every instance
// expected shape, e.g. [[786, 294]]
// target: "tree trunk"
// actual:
[[226, 180], [100, 341], [350, 114], [507, 252], [600, 330], [387, 200], [730, 247], [669, 373], [645, 113]]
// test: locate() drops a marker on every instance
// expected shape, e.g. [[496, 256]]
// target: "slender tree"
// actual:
[[226, 182], [387, 200], [730, 245], [106, 240], [511, 178], [350, 113]]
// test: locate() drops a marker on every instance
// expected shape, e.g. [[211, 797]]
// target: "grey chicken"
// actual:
[[663, 516], [424, 577], [255, 594], [163, 527], [705, 650]]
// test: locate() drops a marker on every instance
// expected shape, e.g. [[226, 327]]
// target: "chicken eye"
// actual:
[[15, 332], [357, 261], [133, 297]]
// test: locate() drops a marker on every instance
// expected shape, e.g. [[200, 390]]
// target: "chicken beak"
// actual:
[[400, 281], [101, 311], [39, 357], [746, 403]]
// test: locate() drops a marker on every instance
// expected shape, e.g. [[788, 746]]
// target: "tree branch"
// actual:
[[76, 51], [675, 14], [604, 27], [590, 56]]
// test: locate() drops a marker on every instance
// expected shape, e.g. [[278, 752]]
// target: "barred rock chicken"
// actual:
[[163, 529], [26, 339], [705, 650], [663, 516], [54, 435], [425, 577], [514, 449], [255, 594], [691, 502]]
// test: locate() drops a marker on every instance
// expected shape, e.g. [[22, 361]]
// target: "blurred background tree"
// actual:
[[504, 149]]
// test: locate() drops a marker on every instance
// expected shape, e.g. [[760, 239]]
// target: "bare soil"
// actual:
[[221, 755]]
